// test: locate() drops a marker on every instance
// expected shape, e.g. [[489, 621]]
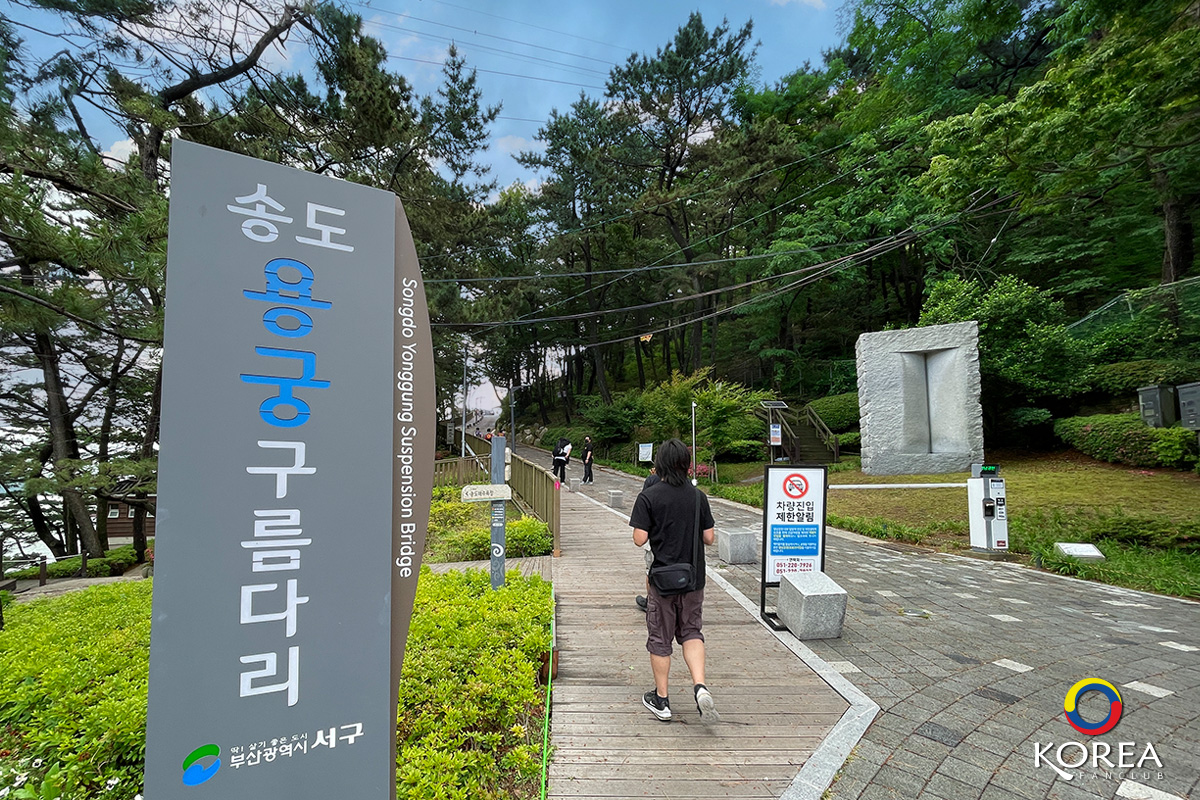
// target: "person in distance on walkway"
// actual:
[[587, 460], [559, 458], [664, 515]]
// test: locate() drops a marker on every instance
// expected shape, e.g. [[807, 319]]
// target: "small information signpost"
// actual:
[[793, 526], [646, 451]]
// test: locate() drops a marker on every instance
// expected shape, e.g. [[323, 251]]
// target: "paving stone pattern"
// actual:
[[969, 686]]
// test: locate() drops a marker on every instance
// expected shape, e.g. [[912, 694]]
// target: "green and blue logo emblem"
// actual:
[[194, 772]]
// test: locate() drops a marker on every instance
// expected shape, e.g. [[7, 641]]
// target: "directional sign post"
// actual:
[[793, 526], [498, 507]]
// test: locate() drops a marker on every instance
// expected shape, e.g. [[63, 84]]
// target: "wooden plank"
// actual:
[[775, 711]]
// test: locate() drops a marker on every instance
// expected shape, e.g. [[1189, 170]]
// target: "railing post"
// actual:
[[42, 572]]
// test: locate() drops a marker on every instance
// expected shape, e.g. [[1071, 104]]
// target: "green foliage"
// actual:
[[668, 406], [527, 536], [726, 424], [1126, 439], [115, 562], [611, 422], [1126, 377], [73, 674], [839, 411], [470, 708], [6, 599], [462, 531], [853, 439], [73, 692], [1024, 352]]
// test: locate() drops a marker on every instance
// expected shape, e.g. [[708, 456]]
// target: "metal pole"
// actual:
[[694, 476], [464, 417], [512, 413]]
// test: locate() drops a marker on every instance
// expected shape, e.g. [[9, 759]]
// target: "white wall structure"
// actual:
[[918, 398]]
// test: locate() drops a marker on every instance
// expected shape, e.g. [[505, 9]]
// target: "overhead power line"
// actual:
[[497, 72]]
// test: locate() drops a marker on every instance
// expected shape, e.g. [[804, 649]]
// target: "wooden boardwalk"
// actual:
[[774, 710]]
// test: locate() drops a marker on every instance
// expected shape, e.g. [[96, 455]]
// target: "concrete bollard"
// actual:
[[574, 484], [812, 605], [616, 498], [737, 547]]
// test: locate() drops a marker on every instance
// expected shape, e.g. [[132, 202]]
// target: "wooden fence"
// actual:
[[532, 485]]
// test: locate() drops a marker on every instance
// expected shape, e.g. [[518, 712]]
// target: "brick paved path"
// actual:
[[970, 662]]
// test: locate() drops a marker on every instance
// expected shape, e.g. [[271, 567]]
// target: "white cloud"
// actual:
[[817, 4], [517, 144], [119, 152]]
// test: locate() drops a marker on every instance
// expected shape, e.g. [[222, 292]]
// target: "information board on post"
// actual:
[[794, 504], [776, 434], [646, 451], [295, 477]]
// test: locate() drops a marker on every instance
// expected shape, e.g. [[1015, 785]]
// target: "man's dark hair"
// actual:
[[672, 462]]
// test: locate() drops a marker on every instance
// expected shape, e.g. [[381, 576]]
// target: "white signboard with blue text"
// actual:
[[294, 484], [793, 523]]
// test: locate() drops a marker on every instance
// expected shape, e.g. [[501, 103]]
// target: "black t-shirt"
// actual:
[[667, 513], [587, 452]]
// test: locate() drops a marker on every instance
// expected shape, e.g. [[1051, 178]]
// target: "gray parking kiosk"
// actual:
[[987, 510], [294, 484], [1157, 405], [1189, 405]]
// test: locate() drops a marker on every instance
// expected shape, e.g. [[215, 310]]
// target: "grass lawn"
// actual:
[[1147, 522], [1055, 482]]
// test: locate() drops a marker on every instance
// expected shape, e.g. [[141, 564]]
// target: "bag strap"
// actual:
[[696, 529]]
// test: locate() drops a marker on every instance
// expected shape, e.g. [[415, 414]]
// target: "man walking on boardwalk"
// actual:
[[674, 516]]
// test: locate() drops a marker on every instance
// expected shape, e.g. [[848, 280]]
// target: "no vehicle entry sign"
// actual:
[[793, 521]]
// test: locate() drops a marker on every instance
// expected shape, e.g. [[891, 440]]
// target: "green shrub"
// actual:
[[115, 562], [1126, 439], [851, 439], [750, 494], [73, 676], [527, 536], [6, 599], [1126, 377], [470, 708], [73, 692], [839, 411]]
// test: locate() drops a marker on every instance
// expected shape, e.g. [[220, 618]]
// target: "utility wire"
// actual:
[[488, 35], [485, 48], [537, 27], [497, 72], [655, 207]]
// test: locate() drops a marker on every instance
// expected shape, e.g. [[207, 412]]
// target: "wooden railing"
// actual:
[[533, 486], [461, 471], [827, 436]]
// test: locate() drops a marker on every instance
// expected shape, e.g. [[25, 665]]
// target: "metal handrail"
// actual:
[[827, 436]]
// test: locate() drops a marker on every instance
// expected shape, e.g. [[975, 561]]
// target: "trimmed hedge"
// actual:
[[840, 411], [1129, 376], [115, 562], [73, 674], [1126, 439]]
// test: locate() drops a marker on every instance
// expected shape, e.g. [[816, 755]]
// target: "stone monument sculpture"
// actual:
[[918, 397]]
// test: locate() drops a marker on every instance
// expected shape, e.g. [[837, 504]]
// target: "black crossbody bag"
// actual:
[[672, 579]]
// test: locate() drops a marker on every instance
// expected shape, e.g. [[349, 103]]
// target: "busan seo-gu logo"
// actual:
[[1100, 756]]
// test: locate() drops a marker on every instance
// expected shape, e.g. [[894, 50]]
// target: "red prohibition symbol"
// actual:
[[795, 486]]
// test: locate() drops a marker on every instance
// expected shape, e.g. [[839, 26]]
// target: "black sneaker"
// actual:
[[659, 706], [704, 702], [642, 603]]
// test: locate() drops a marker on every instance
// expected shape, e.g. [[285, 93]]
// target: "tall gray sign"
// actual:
[[294, 484]]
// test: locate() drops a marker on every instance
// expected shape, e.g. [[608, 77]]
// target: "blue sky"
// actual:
[[572, 47]]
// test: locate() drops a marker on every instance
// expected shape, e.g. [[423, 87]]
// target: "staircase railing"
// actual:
[[827, 436]]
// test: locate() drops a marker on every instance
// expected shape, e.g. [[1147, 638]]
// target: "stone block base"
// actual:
[[737, 547], [616, 498], [812, 605]]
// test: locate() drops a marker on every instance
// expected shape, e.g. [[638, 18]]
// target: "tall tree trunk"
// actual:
[[697, 357], [41, 526], [63, 442]]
